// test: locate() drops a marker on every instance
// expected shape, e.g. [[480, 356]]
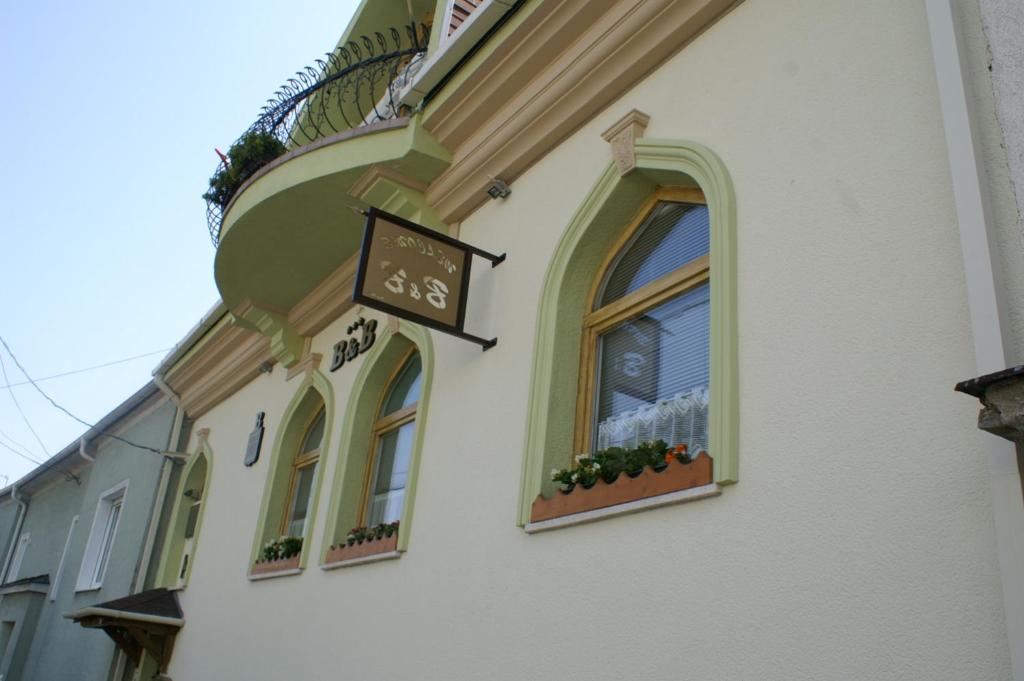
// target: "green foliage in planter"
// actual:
[[608, 464], [251, 152], [279, 549], [361, 534]]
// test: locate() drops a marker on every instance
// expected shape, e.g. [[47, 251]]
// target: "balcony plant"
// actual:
[[365, 541], [252, 151], [597, 480], [279, 554]]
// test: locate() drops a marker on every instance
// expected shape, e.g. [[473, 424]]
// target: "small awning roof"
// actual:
[[146, 621], [37, 584]]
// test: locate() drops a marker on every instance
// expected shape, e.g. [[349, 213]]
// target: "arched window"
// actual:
[[304, 468], [186, 521], [636, 325], [191, 505], [382, 437], [646, 337], [393, 435]]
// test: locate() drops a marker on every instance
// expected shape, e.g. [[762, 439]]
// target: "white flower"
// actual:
[[597, 466], [575, 477], [579, 457], [554, 472]]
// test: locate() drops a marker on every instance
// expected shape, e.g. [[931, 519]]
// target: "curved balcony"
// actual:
[[284, 220]]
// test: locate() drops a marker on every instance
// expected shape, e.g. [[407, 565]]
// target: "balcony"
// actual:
[[280, 209]]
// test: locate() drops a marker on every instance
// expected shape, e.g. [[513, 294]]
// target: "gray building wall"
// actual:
[[61, 650]]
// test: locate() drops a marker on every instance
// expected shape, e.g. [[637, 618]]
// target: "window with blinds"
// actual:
[[392, 449], [648, 334], [304, 468]]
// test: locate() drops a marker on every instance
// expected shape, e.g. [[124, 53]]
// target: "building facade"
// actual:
[[77, 529], [746, 229]]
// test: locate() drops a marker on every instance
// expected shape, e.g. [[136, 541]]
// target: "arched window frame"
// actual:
[[384, 425], [288, 437], [170, 562], [598, 222], [597, 321], [300, 461], [370, 384]]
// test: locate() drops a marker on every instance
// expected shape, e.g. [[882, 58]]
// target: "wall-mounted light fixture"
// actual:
[[498, 189]]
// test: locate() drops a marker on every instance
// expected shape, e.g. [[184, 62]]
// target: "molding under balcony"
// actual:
[[294, 222]]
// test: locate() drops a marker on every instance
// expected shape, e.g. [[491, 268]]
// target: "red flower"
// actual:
[[680, 448]]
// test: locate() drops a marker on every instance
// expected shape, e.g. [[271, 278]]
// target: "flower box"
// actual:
[[279, 565], [367, 547], [650, 483]]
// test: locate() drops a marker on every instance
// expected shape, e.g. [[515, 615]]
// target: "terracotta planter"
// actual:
[[367, 548], [275, 565], [677, 476]]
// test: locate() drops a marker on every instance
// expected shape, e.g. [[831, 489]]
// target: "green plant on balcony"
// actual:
[[608, 464], [357, 535], [281, 549], [252, 151]]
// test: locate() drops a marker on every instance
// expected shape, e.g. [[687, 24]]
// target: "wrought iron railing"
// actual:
[[355, 85]]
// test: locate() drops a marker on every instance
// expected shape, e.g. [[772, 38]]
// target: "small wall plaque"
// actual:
[[252, 451]]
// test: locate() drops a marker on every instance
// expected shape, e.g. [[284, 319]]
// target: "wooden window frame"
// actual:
[[384, 425], [300, 461], [597, 321]]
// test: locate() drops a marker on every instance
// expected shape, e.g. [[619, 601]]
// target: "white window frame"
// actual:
[[63, 559], [19, 555], [101, 537]]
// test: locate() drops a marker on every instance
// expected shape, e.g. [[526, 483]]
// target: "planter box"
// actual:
[[367, 548], [677, 476], [291, 563]]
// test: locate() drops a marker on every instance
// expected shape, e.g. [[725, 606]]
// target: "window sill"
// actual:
[[385, 548], [679, 483], [276, 568], [682, 496], [87, 589], [362, 560]]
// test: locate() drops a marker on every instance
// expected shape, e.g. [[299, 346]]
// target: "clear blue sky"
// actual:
[[111, 111]]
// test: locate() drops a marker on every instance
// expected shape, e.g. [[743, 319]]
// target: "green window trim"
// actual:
[[170, 560], [291, 428], [602, 216], [347, 487]]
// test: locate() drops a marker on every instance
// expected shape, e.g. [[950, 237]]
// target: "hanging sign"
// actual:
[[418, 274]]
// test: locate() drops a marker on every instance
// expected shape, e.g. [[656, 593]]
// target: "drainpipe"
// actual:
[[22, 510], [165, 474], [82, 445], [984, 298]]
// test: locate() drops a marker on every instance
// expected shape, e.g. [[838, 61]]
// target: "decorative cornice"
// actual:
[[286, 344], [533, 96], [307, 366], [623, 136], [228, 358], [379, 172]]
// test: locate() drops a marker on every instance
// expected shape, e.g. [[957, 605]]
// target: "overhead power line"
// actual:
[[24, 456], [92, 368], [3, 370], [10, 440], [62, 409]]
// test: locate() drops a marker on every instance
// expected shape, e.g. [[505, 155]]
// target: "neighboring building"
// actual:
[[78, 528], [772, 230]]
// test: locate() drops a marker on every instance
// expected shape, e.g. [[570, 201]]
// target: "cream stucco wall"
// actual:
[[858, 542]]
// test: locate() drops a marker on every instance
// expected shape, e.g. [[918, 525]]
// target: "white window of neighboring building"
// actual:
[[19, 554], [63, 558], [101, 537]]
